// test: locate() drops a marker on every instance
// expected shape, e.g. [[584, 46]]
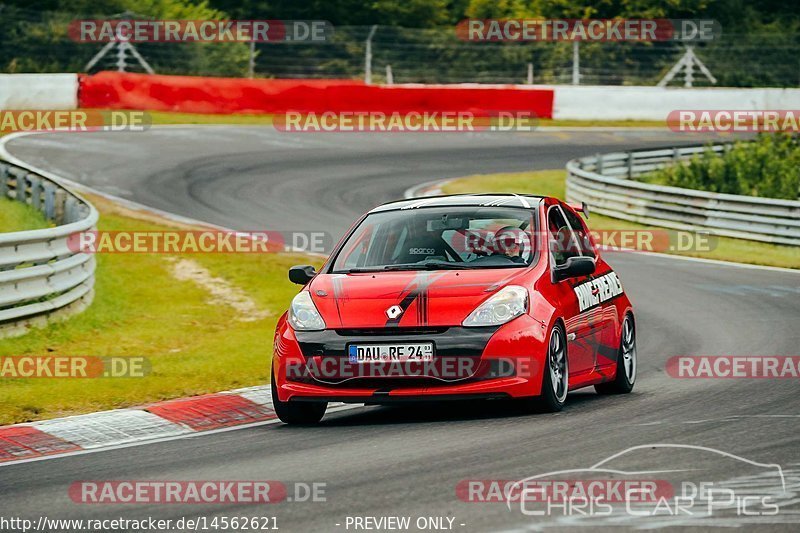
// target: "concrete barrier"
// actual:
[[655, 103], [192, 94], [38, 91]]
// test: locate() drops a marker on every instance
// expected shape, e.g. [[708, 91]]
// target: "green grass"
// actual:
[[253, 119], [564, 123], [14, 216], [551, 183], [168, 117], [194, 347], [164, 117]]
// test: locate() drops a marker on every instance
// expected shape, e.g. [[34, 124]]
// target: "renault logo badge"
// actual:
[[394, 312]]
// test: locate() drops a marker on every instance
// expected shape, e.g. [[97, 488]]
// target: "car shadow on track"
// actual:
[[450, 411]]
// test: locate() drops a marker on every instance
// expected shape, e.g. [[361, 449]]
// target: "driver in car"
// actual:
[[511, 242]]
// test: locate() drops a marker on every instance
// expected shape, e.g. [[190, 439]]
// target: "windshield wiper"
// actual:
[[430, 265], [427, 265], [359, 270]]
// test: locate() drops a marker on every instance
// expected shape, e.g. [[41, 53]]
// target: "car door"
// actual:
[[604, 286], [581, 326]]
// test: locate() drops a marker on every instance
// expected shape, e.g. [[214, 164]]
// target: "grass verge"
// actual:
[[552, 183], [15, 216], [169, 117], [194, 346]]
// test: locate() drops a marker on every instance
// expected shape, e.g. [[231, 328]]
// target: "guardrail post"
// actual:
[[69, 209], [49, 201], [3, 181], [630, 165], [598, 166], [36, 192], [22, 188], [60, 200], [15, 175]]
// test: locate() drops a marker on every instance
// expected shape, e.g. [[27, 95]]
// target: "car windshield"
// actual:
[[440, 238]]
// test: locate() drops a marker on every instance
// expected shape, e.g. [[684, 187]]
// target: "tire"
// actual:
[[555, 376], [625, 376], [297, 413]]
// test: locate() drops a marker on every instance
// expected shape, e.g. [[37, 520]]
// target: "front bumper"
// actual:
[[519, 345]]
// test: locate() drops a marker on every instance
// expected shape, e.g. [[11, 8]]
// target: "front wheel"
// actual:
[[297, 413], [555, 376], [626, 362]]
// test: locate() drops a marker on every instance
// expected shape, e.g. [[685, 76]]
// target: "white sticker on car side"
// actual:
[[598, 290]]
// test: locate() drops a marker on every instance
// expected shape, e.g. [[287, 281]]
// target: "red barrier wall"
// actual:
[[190, 94]]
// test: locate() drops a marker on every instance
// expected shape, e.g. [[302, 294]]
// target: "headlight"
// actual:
[[303, 314], [507, 304]]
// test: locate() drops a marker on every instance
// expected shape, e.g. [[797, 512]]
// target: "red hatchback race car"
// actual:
[[455, 297]]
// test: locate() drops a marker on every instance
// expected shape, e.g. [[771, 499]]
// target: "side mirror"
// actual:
[[301, 274], [575, 267]]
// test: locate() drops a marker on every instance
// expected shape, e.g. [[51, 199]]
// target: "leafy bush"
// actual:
[[769, 167]]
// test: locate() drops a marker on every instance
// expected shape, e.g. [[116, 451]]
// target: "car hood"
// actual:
[[426, 298]]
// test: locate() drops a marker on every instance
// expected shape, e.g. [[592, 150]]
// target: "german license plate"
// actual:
[[388, 353]]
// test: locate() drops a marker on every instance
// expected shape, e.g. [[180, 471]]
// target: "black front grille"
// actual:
[[451, 342], [448, 342], [389, 332]]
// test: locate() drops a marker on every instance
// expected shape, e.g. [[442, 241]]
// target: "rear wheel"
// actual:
[[555, 376], [298, 413], [626, 362]]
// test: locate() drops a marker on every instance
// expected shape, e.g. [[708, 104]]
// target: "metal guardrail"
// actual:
[[605, 183], [39, 273]]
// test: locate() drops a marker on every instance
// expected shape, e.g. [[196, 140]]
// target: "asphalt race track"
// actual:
[[407, 461]]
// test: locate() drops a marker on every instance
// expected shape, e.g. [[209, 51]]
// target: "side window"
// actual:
[[579, 229], [562, 243]]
